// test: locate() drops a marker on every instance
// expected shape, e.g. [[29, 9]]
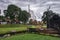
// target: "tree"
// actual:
[[47, 15], [55, 22], [12, 11], [15, 13], [1, 19], [24, 16]]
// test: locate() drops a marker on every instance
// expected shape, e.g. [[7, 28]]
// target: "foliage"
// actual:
[[14, 12], [55, 22], [52, 20], [2, 18], [24, 16], [47, 15]]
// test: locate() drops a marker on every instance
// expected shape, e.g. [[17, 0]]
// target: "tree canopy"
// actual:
[[47, 15], [53, 20], [14, 12]]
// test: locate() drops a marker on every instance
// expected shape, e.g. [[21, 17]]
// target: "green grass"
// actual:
[[10, 27], [30, 37], [4, 28], [20, 27]]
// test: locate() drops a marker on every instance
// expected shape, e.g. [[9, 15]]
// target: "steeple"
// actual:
[[31, 11], [29, 8], [49, 8]]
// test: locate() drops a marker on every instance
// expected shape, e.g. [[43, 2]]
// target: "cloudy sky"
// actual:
[[37, 6]]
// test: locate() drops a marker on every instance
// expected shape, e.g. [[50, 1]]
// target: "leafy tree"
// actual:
[[24, 16], [53, 20], [14, 12], [2, 18], [5, 12], [47, 15]]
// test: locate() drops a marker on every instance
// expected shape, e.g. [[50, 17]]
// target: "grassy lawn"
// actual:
[[19, 27], [4, 28], [10, 27], [30, 37]]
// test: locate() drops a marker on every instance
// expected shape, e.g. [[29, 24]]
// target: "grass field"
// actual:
[[30, 37], [19, 27], [12, 27]]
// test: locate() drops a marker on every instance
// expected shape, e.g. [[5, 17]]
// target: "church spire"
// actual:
[[28, 7], [49, 8]]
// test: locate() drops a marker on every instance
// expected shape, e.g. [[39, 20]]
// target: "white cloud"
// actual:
[[52, 2]]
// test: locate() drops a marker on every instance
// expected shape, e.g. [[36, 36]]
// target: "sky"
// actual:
[[37, 6]]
